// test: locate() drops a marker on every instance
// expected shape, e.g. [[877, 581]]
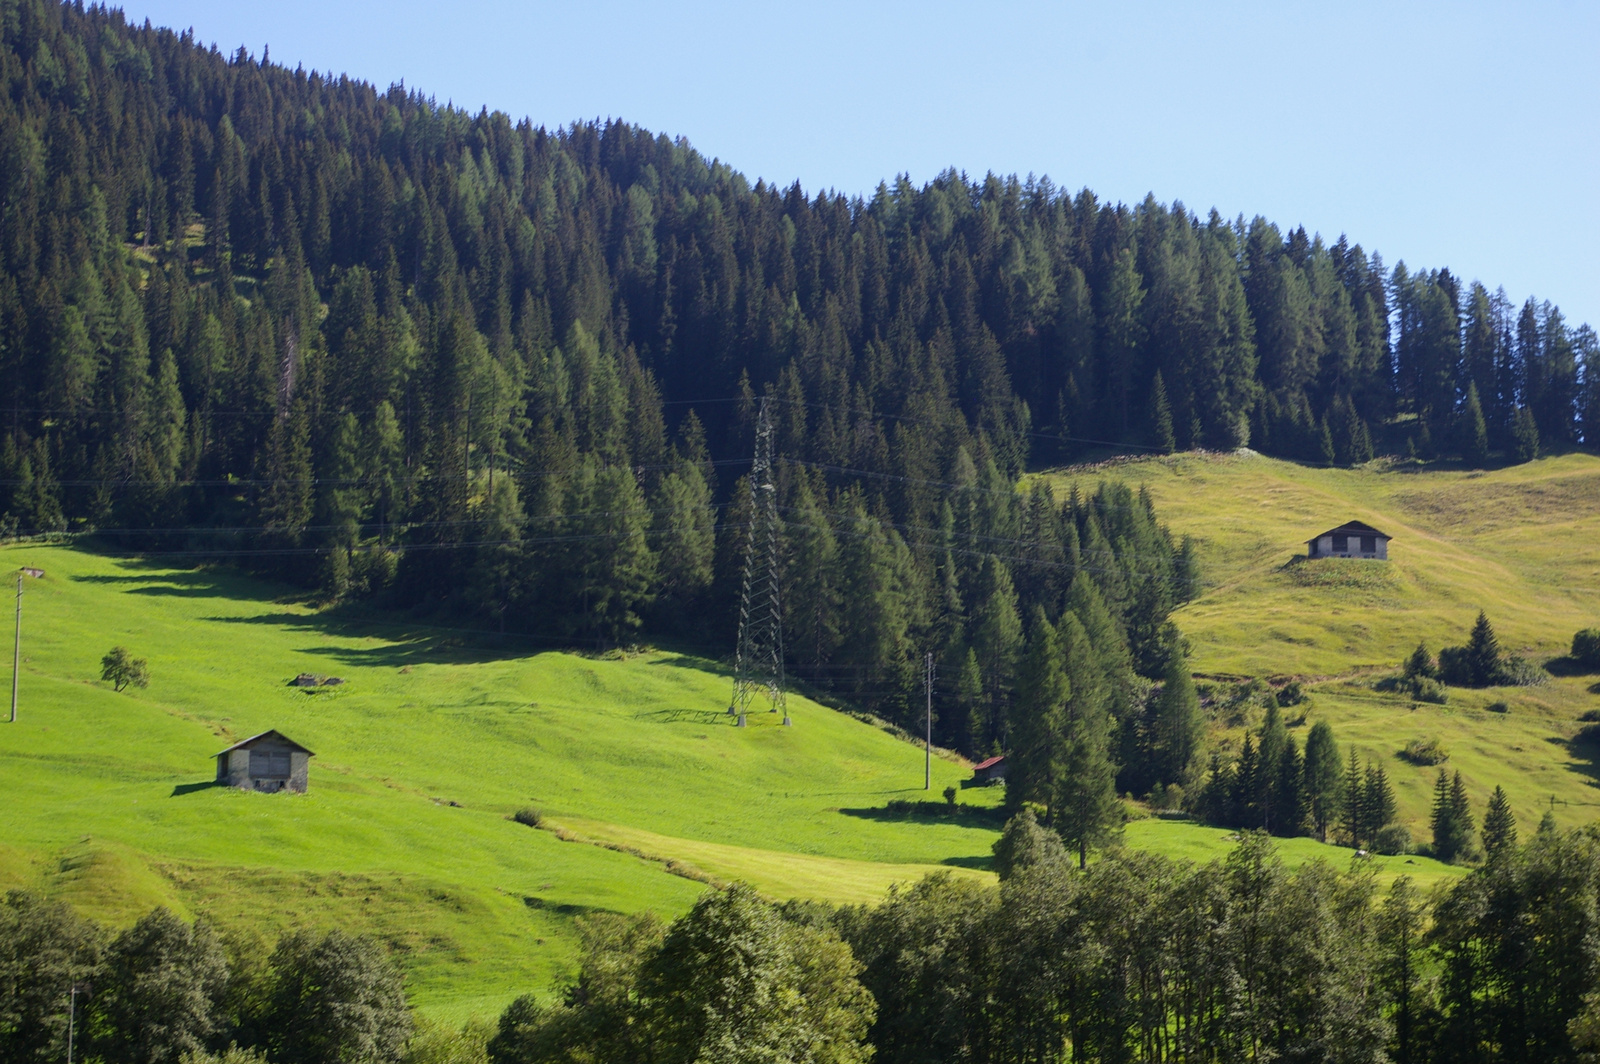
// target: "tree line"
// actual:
[[166, 989], [1137, 958]]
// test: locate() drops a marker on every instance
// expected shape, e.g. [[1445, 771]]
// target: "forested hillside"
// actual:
[[383, 347]]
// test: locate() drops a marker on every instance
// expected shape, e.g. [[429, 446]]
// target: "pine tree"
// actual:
[[1036, 764], [1177, 729], [1524, 435], [1378, 800], [1324, 785], [1270, 801], [1474, 432], [1483, 653], [1461, 817], [1087, 812], [1446, 834], [1499, 826], [1161, 435], [1420, 663]]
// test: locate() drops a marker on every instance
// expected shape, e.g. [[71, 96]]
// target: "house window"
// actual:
[[1369, 544], [269, 764], [1341, 543]]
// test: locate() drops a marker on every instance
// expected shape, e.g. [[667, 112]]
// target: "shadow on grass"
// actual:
[[703, 717], [982, 864], [563, 908], [966, 816], [189, 788], [1585, 751], [1567, 665], [406, 642]]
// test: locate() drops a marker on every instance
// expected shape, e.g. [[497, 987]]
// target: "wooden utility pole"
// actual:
[[16, 650], [16, 645], [927, 739]]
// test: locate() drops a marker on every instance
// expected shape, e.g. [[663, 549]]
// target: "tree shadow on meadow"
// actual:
[[930, 812]]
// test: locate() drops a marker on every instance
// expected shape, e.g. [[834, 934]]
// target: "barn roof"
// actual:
[[245, 744], [1351, 528], [989, 763]]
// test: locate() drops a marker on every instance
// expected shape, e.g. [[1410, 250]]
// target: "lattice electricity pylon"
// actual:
[[758, 662]]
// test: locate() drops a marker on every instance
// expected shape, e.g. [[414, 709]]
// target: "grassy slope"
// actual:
[[632, 753], [114, 819], [1522, 543]]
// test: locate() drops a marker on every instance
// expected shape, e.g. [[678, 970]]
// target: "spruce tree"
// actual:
[[1036, 763], [1177, 729], [1269, 798], [1378, 800], [1474, 430], [1461, 817], [1161, 434], [1086, 809], [1324, 784], [1499, 826], [1483, 653], [1524, 435], [1446, 835]]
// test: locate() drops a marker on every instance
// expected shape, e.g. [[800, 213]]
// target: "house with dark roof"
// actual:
[[1353, 539], [267, 762], [990, 771]]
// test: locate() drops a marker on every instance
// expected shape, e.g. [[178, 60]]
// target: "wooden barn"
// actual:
[[267, 762], [990, 771], [1353, 539]]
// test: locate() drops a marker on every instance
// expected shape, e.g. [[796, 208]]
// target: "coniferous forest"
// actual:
[[391, 350], [477, 370]]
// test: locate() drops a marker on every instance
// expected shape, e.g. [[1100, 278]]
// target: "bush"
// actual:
[[1520, 672], [1431, 691], [1394, 839], [1455, 667], [1498, 707], [1586, 648], [950, 796], [120, 669], [1291, 694], [528, 815], [1590, 716], [1425, 752]]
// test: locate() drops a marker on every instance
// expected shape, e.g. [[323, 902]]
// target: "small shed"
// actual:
[[991, 771], [1353, 539], [267, 762]]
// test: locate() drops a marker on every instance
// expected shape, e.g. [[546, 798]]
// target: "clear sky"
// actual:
[[1464, 135]]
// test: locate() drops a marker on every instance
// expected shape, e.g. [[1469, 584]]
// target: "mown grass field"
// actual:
[[436, 737], [421, 756], [1521, 543]]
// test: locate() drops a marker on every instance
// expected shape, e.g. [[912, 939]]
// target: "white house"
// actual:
[[1350, 540]]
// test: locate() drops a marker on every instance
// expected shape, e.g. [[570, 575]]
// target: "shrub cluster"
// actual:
[[166, 989]]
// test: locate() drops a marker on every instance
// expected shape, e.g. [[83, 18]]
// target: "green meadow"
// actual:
[[649, 793], [1521, 543]]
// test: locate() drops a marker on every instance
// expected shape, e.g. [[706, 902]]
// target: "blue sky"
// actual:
[[1464, 135]]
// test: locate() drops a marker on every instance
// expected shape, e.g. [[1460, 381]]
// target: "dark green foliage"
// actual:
[[1586, 648], [1452, 820], [733, 980], [528, 816], [160, 991], [121, 669], [1420, 664], [1524, 435], [1324, 783], [1483, 653], [1026, 844], [1177, 728], [334, 999], [1499, 826], [45, 949]]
